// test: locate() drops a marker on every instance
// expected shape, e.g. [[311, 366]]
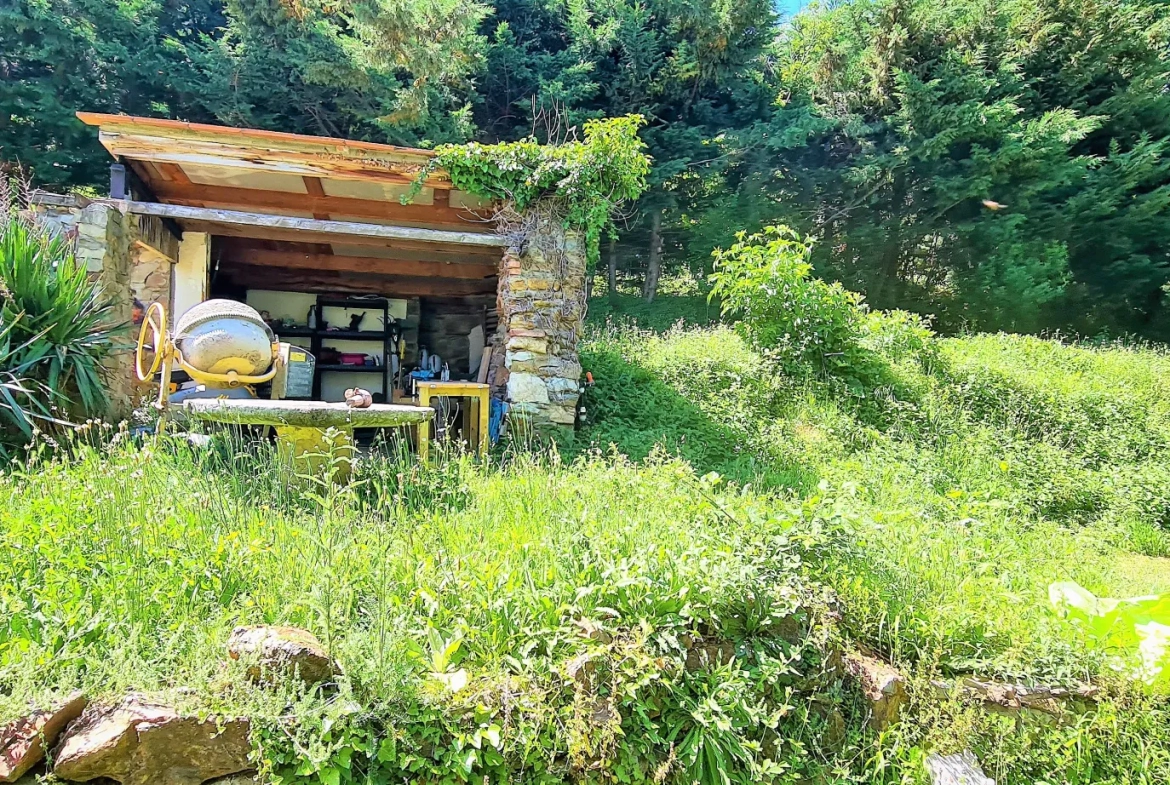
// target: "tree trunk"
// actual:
[[612, 279], [654, 265]]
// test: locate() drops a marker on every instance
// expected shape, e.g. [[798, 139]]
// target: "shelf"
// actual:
[[350, 303], [294, 332], [352, 368], [351, 335]]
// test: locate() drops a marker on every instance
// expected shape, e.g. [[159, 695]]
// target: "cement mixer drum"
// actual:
[[222, 336]]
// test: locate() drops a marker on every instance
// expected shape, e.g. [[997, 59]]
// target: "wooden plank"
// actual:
[[354, 283], [315, 162], [246, 220], [231, 197], [386, 249], [174, 173], [356, 264], [182, 129]]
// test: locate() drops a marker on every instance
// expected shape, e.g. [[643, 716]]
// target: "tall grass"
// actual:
[[985, 469], [619, 613], [567, 597]]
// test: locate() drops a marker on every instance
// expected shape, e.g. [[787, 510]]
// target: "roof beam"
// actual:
[[230, 196], [385, 249], [355, 283], [314, 187], [301, 237], [246, 220], [356, 264]]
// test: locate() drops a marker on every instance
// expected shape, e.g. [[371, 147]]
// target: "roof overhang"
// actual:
[[286, 174], [312, 212]]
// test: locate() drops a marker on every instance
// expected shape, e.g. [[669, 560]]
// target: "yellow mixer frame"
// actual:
[[167, 354]]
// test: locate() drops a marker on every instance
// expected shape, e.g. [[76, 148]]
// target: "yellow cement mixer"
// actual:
[[226, 349]]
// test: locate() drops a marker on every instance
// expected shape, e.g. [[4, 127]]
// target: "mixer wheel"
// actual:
[[154, 335]]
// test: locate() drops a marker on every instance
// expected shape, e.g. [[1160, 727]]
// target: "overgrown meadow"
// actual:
[[665, 597], [576, 615]]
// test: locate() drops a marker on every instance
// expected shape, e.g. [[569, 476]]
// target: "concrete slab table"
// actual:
[[309, 431]]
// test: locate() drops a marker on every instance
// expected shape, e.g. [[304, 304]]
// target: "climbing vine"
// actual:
[[586, 180]]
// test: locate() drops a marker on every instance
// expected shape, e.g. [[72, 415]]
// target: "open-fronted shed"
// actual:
[[331, 239], [313, 212]]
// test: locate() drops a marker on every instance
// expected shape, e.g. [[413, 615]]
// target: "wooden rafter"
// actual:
[[315, 189], [230, 197], [308, 229], [355, 264], [174, 173]]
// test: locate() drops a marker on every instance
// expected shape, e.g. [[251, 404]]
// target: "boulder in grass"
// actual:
[[281, 652], [23, 741], [883, 686], [139, 742], [960, 769]]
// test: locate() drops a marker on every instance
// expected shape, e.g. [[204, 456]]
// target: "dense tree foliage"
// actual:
[[997, 163]]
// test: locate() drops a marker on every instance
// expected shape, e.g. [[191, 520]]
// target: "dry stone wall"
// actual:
[[127, 255], [542, 310], [104, 239]]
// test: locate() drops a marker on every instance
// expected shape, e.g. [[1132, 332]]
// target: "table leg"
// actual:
[[314, 450], [424, 427], [483, 403]]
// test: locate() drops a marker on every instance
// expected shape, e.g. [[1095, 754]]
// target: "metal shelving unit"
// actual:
[[382, 337]]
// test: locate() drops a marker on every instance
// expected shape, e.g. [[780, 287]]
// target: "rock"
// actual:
[[281, 652], [709, 654], [137, 742], [23, 741], [1019, 700], [562, 415], [884, 688], [527, 388], [961, 769]]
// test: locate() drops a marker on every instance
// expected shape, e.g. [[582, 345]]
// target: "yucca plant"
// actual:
[[56, 324]]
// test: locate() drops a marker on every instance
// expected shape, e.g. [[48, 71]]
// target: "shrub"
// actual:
[[803, 323], [56, 324], [20, 406]]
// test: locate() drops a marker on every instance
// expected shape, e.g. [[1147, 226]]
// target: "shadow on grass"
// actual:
[[636, 412]]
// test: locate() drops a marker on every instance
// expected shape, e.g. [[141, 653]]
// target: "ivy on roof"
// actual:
[[588, 180]]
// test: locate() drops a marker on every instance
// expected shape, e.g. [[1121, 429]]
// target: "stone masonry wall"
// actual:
[[105, 243], [542, 310], [151, 258]]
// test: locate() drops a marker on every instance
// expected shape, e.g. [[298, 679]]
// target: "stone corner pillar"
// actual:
[[104, 245], [108, 242], [542, 311]]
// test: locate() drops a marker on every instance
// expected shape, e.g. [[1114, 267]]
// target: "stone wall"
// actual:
[[153, 253], [111, 244], [542, 309]]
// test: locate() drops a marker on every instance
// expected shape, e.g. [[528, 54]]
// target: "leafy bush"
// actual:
[[802, 322], [1133, 633], [21, 404], [805, 324], [57, 322]]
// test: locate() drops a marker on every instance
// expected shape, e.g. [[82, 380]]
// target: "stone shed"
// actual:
[[348, 247]]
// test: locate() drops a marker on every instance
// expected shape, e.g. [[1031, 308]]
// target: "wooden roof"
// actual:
[[288, 174], [216, 176]]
